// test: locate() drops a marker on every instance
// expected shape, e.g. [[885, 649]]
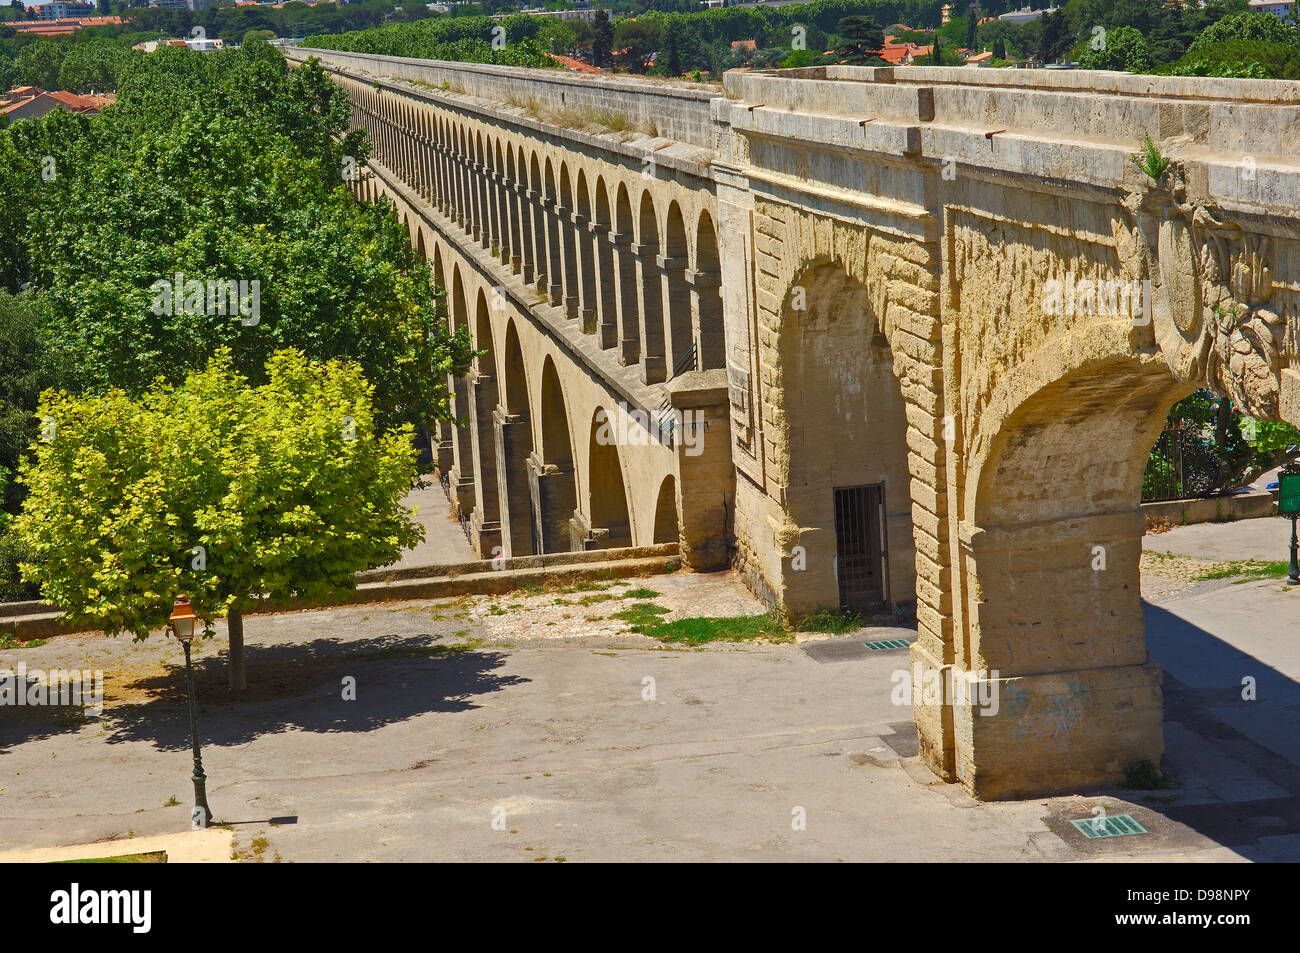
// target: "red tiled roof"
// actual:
[[578, 66]]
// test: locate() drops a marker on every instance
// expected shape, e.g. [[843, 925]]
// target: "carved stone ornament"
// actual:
[[1210, 286]]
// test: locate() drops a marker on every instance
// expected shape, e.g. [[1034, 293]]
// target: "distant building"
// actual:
[[1279, 8], [65, 9], [195, 5], [31, 102], [1025, 15], [979, 59], [61, 27]]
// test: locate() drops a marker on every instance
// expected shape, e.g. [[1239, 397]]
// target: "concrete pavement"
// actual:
[[521, 747]]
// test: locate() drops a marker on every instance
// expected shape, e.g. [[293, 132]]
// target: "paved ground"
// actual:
[[1267, 539], [444, 540], [536, 742]]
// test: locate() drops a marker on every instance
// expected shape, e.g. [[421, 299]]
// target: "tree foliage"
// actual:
[[218, 489]]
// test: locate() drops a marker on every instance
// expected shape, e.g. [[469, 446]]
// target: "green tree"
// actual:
[[1124, 48], [862, 39], [972, 24], [602, 42], [1056, 38], [217, 489], [1252, 25], [636, 40]]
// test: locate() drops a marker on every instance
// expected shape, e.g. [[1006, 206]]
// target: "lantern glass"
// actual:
[[182, 619]]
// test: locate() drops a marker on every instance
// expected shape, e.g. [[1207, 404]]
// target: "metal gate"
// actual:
[[861, 553]]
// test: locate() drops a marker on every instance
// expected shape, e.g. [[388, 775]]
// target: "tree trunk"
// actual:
[[235, 625]]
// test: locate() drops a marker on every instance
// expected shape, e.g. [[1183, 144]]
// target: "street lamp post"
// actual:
[[181, 623]]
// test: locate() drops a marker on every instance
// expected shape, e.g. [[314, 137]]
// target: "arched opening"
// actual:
[[556, 494], [710, 337], [568, 243], [677, 295], [536, 222], [554, 289], [1048, 570], [485, 524], [666, 511], [482, 200], [609, 524], [650, 286], [461, 488], [848, 498], [500, 207], [585, 263], [419, 244], [622, 240], [606, 284], [514, 435]]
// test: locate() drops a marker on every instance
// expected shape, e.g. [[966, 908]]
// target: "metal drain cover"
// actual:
[[1112, 825]]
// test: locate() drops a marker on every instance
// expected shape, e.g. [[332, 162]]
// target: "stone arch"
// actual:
[[419, 244], [650, 290], [514, 437], [586, 259], [537, 222], [568, 242], [555, 494], [609, 524], [674, 260], [461, 487], [666, 512], [606, 290], [710, 334], [1047, 570], [554, 260], [838, 370], [439, 275], [485, 524], [622, 241]]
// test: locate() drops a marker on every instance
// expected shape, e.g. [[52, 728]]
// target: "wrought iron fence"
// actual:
[[1182, 466]]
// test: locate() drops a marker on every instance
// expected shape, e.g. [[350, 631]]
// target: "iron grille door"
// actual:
[[860, 545]]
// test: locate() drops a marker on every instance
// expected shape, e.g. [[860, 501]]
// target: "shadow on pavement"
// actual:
[[290, 686]]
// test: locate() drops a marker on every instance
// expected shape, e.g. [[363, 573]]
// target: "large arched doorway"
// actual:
[[650, 286], [849, 497]]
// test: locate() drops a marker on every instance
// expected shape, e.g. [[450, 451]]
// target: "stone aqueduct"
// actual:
[[885, 297]]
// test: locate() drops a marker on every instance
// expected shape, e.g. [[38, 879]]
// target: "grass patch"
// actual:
[[644, 618], [594, 598], [1249, 568], [611, 121], [641, 615], [639, 593], [832, 621], [1145, 776], [153, 857], [9, 641]]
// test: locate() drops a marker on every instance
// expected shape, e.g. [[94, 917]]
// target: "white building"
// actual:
[[1279, 8], [1025, 15]]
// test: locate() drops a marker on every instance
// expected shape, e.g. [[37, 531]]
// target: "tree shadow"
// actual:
[[322, 685]]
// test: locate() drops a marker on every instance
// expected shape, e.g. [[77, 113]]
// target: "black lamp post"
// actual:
[[181, 623]]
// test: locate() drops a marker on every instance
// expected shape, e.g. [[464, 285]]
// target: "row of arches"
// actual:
[[529, 472], [613, 247]]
